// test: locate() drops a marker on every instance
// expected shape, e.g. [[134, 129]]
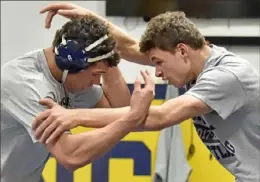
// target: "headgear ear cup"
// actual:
[[71, 57]]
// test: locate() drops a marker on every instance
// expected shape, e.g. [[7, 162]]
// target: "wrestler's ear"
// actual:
[[182, 48]]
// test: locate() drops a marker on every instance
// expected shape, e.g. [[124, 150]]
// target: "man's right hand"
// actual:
[[142, 97], [67, 10]]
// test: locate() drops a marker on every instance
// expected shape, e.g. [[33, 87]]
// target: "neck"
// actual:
[[199, 58], [55, 71]]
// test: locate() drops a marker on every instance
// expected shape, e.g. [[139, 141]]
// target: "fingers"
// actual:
[[58, 131], [149, 83], [49, 18], [56, 6], [148, 73], [48, 102], [137, 85], [47, 132], [41, 128], [39, 119], [52, 10], [144, 75], [68, 13]]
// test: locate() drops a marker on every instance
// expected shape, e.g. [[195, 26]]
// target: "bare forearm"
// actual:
[[115, 88], [154, 120], [132, 53], [100, 117], [91, 145], [173, 112], [128, 47], [158, 117], [97, 118]]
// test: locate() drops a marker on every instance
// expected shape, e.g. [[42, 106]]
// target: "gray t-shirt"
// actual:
[[229, 85], [24, 81]]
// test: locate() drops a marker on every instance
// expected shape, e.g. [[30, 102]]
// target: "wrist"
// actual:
[[135, 116]]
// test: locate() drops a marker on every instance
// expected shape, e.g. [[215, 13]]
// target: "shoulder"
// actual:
[[22, 67], [217, 82], [217, 74], [232, 70], [238, 66], [21, 78]]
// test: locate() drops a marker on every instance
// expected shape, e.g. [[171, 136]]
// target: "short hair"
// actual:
[[165, 31], [86, 30]]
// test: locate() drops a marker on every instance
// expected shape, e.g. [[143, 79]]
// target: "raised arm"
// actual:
[[126, 45], [115, 89]]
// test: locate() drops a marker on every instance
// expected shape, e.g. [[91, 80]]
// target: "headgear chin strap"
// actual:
[[72, 59], [64, 76]]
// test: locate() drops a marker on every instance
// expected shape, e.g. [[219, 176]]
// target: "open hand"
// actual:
[[67, 10], [53, 122], [141, 98]]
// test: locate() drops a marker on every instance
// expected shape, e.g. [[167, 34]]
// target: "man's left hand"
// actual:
[[53, 122]]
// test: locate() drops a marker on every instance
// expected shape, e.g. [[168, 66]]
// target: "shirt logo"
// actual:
[[206, 132], [220, 150]]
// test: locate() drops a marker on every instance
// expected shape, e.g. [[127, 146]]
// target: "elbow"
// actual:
[[72, 163], [70, 152], [69, 166], [157, 127]]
